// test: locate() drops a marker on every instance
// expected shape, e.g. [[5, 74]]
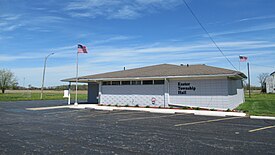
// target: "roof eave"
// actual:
[[155, 77]]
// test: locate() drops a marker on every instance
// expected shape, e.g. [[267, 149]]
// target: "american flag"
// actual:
[[81, 49], [243, 58]]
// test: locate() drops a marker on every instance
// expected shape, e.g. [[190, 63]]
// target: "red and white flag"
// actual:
[[81, 49], [243, 58]]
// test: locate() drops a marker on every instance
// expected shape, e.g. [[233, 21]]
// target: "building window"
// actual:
[[147, 82], [125, 82], [158, 81], [115, 82], [136, 82], [106, 83]]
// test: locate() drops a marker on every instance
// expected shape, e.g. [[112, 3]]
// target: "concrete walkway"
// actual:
[[157, 110]]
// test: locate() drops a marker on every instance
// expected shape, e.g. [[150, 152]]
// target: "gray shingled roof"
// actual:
[[164, 70]]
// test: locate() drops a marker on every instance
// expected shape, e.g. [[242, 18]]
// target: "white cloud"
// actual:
[[3, 23], [106, 53], [33, 75], [60, 52], [11, 22], [256, 18], [5, 37], [8, 22], [110, 58], [12, 27], [114, 38], [127, 12], [14, 58], [118, 9], [47, 19], [163, 4], [9, 17], [21, 56], [87, 4], [261, 27]]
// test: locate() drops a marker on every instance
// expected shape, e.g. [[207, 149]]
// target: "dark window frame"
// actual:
[[159, 82], [106, 83], [116, 82], [125, 82], [138, 82], [147, 82]]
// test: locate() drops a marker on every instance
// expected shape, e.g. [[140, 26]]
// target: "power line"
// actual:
[[208, 34]]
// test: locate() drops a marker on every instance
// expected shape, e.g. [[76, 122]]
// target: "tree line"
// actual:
[[9, 81], [61, 87]]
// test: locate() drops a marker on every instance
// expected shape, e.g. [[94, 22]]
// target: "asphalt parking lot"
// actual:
[[70, 131]]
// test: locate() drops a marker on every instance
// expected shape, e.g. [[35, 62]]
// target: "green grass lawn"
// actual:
[[259, 104], [36, 96]]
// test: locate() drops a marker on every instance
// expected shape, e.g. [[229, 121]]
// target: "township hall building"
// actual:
[[167, 85]]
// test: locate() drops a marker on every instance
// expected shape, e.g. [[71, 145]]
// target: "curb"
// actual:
[[219, 113], [162, 111], [209, 113], [262, 117]]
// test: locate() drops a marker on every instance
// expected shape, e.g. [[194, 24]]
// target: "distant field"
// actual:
[[24, 95], [259, 104]]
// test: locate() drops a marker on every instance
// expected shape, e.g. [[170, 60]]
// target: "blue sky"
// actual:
[[132, 33]]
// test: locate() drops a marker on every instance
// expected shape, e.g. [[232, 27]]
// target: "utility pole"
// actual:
[[43, 79]]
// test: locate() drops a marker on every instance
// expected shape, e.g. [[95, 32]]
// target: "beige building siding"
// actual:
[[132, 95], [220, 93], [212, 93]]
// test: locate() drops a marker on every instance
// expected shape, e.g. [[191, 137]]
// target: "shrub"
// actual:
[[185, 107], [126, 105], [212, 109], [228, 110], [197, 108], [136, 105], [147, 106], [171, 107], [109, 104]]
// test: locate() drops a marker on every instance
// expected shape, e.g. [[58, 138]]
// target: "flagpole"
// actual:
[[76, 80]]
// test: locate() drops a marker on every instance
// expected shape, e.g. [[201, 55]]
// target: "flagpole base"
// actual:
[[75, 103]]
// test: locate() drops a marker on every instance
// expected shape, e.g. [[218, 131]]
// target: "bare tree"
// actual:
[[7, 80], [262, 77]]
